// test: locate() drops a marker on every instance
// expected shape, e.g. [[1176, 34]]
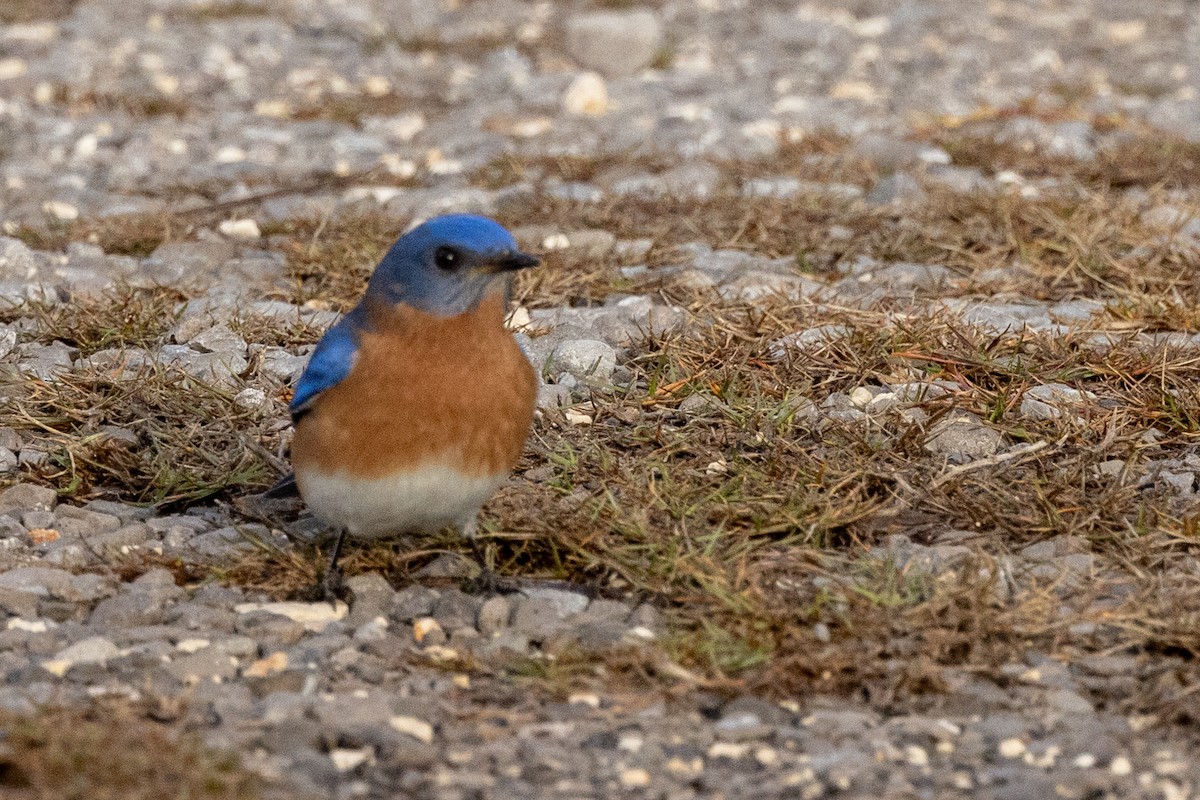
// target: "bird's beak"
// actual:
[[513, 261]]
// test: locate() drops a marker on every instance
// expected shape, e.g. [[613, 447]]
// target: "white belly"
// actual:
[[424, 501]]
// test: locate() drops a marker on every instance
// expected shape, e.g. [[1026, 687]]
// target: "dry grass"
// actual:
[[23, 11], [226, 10], [109, 751], [182, 440], [745, 522]]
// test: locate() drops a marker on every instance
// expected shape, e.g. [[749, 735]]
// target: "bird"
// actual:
[[415, 406]]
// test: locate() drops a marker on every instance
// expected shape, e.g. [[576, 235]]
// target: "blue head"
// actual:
[[447, 265]]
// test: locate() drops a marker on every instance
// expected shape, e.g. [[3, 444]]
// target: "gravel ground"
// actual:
[[250, 115]]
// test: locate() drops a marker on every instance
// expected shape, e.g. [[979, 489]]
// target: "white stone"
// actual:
[[556, 241], [577, 417], [314, 617], [418, 729], [12, 68], [631, 778], [587, 96], [423, 627], [191, 645], [718, 467], [63, 212], [589, 699], [861, 397], [1127, 31], [28, 625], [767, 756], [252, 399], [917, 756], [240, 229], [1012, 748], [518, 319], [733, 750], [345, 759]]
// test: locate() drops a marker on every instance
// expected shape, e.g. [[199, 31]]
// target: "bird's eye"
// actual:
[[446, 258]]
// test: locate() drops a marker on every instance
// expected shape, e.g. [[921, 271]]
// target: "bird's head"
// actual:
[[447, 265]]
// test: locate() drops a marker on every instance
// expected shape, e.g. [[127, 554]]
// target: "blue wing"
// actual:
[[331, 362]]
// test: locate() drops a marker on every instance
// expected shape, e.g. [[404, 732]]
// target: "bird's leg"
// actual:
[[487, 581], [331, 581]]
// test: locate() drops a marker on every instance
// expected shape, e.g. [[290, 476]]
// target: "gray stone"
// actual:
[[122, 511], [493, 615], [8, 341], [781, 187], [209, 664], [47, 362], [614, 43], [963, 439], [413, 602], [1001, 317], [93, 650], [16, 260], [1048, 400], [905, 276], [373, 597], [633, 250], [584, 358], [699, 180], [32, 457], [121, 364], [757, 285], [1180, 482], [10, 439], [127, 610], [28, 497], [898, 188], [220, 544], [739, 727], [591, 244], [552, 395], [221, 369], [565, 602], [42, 581], [190, 265], [19, 603], [455, 609], [538, 617], [810, 339], [218, 339], [281, 365], [72, 518]]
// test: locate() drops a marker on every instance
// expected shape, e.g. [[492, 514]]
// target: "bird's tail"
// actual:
[[284, 487]]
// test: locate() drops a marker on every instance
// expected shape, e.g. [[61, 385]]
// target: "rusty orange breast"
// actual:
[[424, 389]]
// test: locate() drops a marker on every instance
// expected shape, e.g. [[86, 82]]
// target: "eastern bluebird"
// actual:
[[416, 405]]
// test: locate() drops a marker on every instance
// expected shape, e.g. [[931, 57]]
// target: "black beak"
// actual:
[[511, 262]]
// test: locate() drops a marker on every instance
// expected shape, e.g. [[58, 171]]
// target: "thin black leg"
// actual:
[[331, 582], [487, 581]]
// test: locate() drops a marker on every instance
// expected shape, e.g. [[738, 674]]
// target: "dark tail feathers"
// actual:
[[284, 487]]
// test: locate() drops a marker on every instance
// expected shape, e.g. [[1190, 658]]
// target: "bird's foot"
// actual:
[[489, 582], [332, 585]]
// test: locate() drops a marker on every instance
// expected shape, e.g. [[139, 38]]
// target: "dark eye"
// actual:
[[446, 258]]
